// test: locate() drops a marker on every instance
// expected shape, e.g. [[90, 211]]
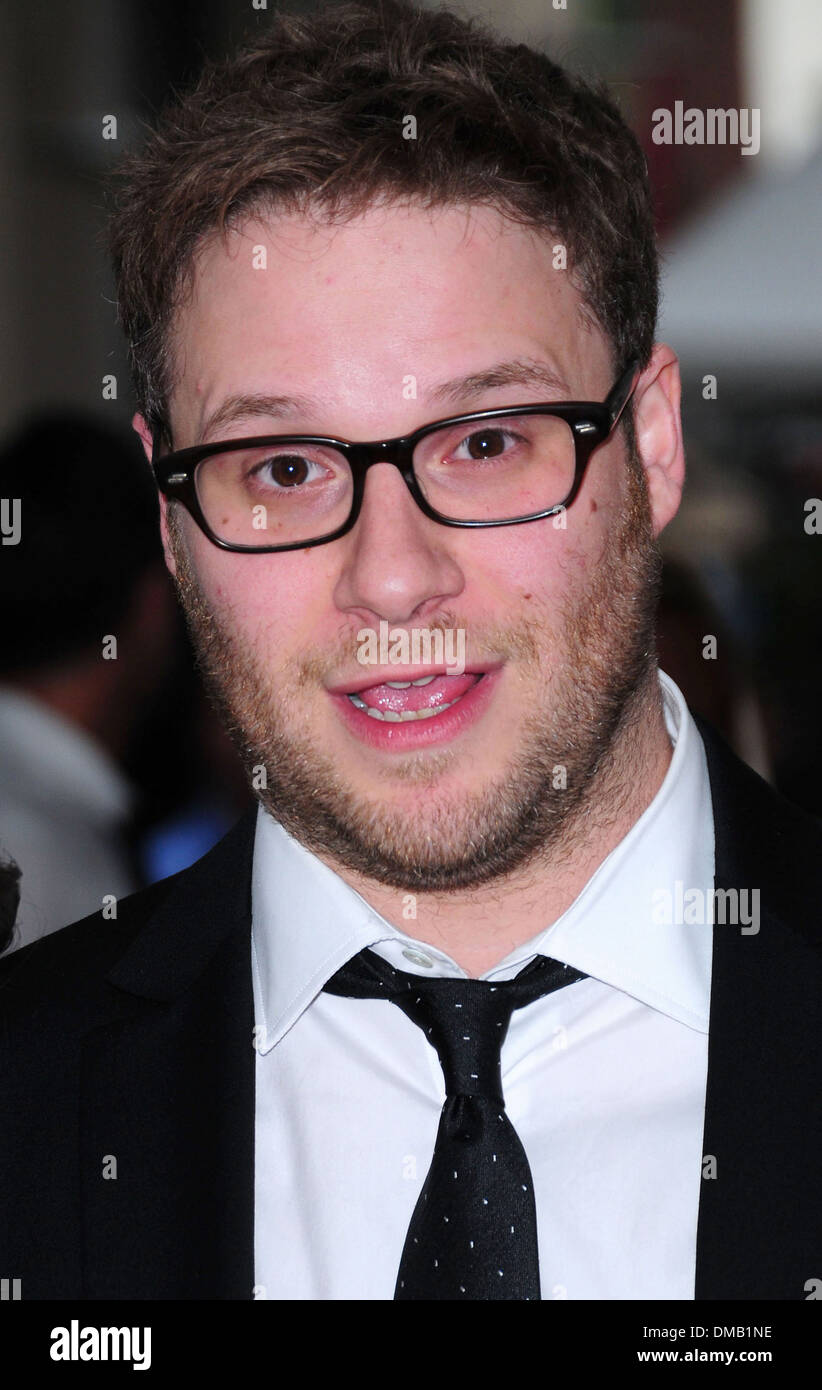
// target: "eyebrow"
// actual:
[[250, 407], [518, 371]]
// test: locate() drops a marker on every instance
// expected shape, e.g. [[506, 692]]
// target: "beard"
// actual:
[[587, 701]]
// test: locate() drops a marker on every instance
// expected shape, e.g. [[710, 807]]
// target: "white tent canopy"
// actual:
[[742, 286]]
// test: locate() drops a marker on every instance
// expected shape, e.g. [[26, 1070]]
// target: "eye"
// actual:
[[486, 443], [287, 470]]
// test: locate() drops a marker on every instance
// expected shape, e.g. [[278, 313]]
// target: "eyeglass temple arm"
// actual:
[[622, 391], [160, 437]]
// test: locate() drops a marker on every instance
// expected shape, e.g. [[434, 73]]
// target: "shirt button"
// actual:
[[418, 958]]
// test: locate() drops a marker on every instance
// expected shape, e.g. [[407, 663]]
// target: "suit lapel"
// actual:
[[167, 1097], [759, 1231]]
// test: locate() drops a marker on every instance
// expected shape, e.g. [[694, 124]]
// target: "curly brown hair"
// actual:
[[309, 118]]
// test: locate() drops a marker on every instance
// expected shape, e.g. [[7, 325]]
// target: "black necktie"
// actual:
[[473, 1233]]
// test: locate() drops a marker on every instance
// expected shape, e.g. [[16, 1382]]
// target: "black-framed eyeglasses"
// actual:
[[290, 491]]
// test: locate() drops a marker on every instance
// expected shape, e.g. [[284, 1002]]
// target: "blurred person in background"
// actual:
[[9, 900], [89, 625]]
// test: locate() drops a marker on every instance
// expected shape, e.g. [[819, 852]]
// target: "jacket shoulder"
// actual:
[[763, 840], [92, 941], [74, 960]]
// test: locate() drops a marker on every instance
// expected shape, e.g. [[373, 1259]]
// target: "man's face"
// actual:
[[557, 620]]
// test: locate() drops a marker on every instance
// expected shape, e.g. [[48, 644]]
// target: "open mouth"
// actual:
[[404, 701]]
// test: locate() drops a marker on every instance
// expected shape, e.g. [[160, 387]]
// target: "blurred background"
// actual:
[[113, 772]]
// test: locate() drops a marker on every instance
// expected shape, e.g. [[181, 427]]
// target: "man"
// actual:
[[258, 1081]]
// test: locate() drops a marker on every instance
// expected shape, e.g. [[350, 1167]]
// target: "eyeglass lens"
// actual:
[[498, 469]]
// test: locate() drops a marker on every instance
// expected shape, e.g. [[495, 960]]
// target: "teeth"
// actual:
[[403, 685], [390, 716]]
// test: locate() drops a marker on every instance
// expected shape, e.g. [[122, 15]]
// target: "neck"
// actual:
[[478, 928]]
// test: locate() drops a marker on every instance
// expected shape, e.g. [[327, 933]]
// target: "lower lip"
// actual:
[[419, 733]]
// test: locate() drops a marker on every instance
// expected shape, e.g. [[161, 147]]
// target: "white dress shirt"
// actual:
[[604, 1080], [63, 802]]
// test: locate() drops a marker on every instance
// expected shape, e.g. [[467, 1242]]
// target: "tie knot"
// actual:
[[465, 1020]]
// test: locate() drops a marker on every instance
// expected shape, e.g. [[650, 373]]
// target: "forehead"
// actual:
[[374, 310]]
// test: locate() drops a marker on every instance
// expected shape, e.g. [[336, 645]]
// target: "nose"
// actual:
[[398, 562]]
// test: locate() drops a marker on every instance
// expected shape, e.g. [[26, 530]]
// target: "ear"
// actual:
[[138, 424], [141, 429], [659, 433]]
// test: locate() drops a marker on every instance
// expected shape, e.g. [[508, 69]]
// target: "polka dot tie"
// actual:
[[473, 1233]]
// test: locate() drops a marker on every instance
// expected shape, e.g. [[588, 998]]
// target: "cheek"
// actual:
[[273, 603], [539, 560], [605, 489]]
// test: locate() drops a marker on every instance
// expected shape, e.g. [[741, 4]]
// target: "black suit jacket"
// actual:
[[130, 1043]]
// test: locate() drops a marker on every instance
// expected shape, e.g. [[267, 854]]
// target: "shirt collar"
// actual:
[[623, 927], [307, 922]]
